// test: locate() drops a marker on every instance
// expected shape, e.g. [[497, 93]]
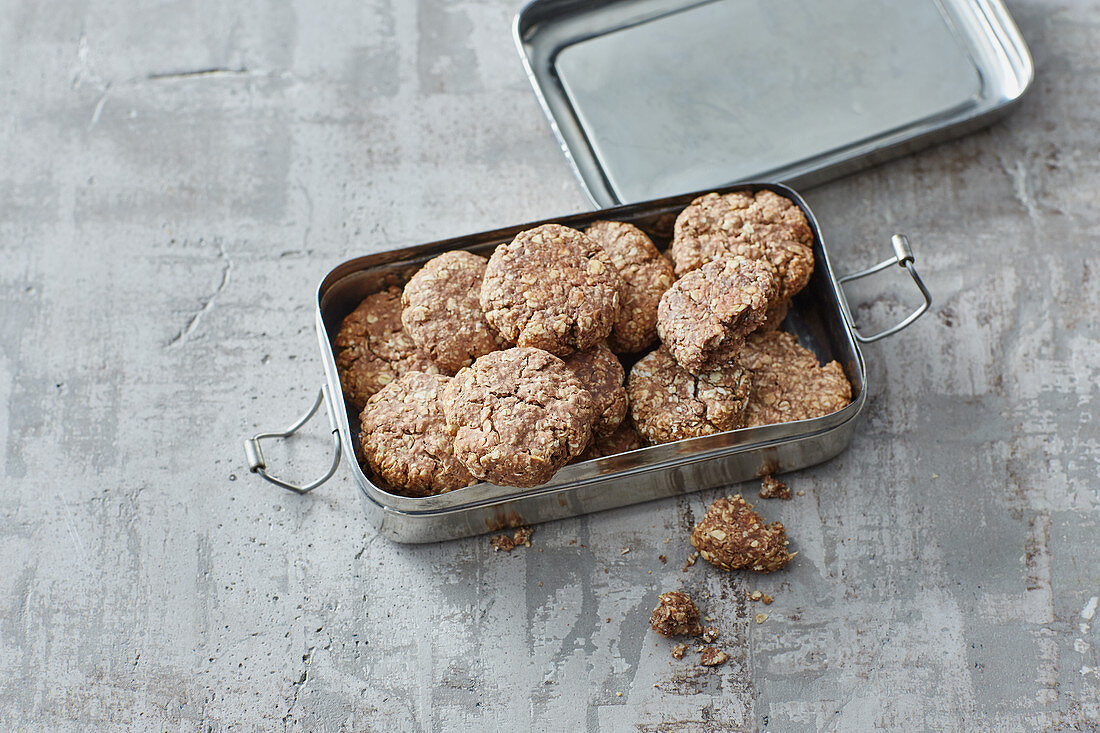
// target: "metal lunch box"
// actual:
[[819, 316]]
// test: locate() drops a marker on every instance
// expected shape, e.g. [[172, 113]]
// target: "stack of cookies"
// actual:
[[504, 370]]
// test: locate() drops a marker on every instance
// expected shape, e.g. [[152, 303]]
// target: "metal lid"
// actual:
[[657, 97]]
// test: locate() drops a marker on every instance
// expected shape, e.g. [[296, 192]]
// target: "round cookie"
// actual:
[[704, 317], [405, 439], [788, 382], [442, 313], [372, 348], [669, 403], [519, 415], [601, 374], [551, 288], [623, 440], [763, 225], [646, 276]]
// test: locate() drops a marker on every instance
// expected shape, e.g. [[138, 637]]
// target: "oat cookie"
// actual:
[[405, 440], [763, 225], [788, 382], [703, 319], [669, 403], [519, 416], [733, 537], [372, 348], [623, 440], [551, 288], [676, 615], [442, 312], [646, 275], [601, 374]]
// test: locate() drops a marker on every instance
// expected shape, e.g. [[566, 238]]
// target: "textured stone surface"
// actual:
[[162, 229]]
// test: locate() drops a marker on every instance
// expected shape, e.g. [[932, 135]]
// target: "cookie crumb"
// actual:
[[676, 615], [710, 634], [755, 595], [662, 558], [733, 537], [800, 493], [522, 536], [767, 599], [761, 618], [618, 694], [690, 561], [772, 488], [624, 551], [711, 657], [504, 543], [678, 651]]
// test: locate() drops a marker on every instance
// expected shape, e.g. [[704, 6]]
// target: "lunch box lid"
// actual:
[[650, 98]]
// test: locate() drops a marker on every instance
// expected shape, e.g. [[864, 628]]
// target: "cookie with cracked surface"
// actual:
[[676, 615], [519, 415], [442, 311], [646, 276], [601, 374], [551, 288], [623, 440], [669, 403], [405, 439], [372, 348], [705, 316], [731, 536], [761, 225], [788, 381]]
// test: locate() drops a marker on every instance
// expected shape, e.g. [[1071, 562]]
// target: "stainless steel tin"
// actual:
[[652, 97], [819, 316]]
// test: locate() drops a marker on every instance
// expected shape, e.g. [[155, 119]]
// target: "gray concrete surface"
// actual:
[[177, 176]]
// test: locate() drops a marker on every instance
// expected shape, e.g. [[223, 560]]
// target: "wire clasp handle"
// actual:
[[903, 256], [255, 455]]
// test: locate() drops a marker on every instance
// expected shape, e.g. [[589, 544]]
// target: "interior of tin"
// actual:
[[815, 317]]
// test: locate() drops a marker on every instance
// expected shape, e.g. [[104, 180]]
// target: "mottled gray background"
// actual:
[[175, 179]]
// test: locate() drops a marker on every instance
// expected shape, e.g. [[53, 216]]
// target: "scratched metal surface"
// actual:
[[175, 179]]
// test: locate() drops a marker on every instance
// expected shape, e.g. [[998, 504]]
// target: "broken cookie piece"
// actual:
[[733, 537], [710, 634], [678, 651], [772, 488], [676, 615]]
